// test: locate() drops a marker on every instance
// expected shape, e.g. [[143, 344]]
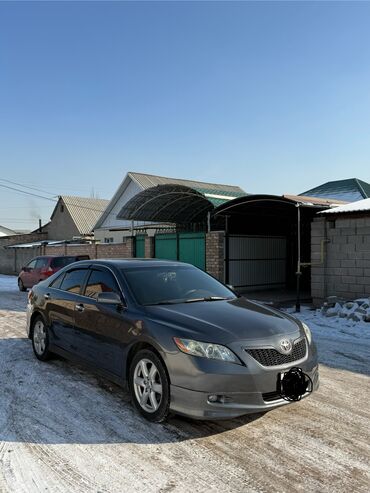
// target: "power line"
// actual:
[[50, 199], [27, 193], [25, 186]]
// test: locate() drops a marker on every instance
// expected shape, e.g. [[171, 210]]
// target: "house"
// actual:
[[111, 229], [349, 190], [75, 217], [6, 231]]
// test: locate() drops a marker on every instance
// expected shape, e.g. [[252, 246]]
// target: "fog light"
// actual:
[[212, 398]]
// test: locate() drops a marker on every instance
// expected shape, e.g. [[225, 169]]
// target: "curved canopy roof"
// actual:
[[272, 203], [167, 203]]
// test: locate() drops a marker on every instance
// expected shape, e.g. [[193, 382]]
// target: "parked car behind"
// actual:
[[42, 267], [183, 341]]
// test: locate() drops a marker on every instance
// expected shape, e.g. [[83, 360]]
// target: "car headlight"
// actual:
[[307, 331], [206, 350]]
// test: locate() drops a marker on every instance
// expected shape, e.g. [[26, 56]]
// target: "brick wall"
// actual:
[[215, 254], [95, 251], [149, 246], [345, 269]]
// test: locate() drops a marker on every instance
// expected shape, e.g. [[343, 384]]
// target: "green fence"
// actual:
[[186, 247], [140, 246]]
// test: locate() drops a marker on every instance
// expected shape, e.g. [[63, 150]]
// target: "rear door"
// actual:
[[38, 273], [27, 273], [62, 298], [102, 329]]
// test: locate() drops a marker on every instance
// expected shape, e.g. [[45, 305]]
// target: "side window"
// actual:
[[101, 282], [73, 281], [41, 262], [32, 264], [57, 282]]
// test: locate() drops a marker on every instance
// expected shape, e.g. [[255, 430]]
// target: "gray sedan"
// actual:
[[181, 340]]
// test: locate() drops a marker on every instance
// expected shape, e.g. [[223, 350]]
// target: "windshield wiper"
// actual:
[[208, 298], [164, 302]]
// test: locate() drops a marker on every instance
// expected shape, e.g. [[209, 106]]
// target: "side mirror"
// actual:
[[109, 298]]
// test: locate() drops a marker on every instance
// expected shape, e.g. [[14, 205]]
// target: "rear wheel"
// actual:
[[21, 285], [40, 339], [149, 386]]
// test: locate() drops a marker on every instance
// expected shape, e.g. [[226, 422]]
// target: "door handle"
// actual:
[[80, 307], [47, 296]]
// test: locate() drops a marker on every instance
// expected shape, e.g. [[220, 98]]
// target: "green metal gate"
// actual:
[[186, 247], [166, 246], [140, 246]]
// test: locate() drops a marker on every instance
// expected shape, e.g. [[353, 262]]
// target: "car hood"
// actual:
[[224, 321]]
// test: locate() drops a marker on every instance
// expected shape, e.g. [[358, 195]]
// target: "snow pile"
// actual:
[[341, 341], [357, 310]]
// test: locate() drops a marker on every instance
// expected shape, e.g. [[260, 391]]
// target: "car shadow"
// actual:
[[59, 402]]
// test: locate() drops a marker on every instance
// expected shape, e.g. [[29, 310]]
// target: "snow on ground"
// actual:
[[63, 429], [341, 343], [8, 283]]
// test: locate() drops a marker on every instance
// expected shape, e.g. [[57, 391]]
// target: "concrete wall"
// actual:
[[344, 269], [11, 260]]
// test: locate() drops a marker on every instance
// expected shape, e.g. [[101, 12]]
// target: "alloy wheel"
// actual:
[[147, 385], [39, 337]]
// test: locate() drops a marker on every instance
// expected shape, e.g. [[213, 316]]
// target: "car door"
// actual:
[[102, 329], [27, 273], [61, 299], [37, 274]]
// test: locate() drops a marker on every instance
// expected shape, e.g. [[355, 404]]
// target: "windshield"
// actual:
[[175, 284]]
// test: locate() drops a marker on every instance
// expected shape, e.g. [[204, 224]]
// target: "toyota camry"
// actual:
[[181, 341]]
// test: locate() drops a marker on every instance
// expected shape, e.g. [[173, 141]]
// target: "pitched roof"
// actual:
[[315, 200], [359, 206], [214, 192], [6, 231], [84, 211], [348, 190], [206, 188]]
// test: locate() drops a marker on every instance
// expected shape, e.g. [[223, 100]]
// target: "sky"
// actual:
[[271, 96]]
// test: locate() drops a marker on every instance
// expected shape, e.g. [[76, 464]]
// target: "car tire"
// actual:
[[21, 286], [149, 386], [40, 339]]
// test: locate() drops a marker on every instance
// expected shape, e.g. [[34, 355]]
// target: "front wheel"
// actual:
[[149, 386], [40, 340], [21, 285]]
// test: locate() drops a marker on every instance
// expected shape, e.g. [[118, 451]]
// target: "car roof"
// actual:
[[132, 262]]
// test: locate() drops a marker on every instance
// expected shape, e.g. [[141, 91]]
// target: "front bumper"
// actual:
[[196, 404]]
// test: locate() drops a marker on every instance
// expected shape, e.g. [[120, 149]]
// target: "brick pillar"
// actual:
[[318, 268], [215, 254], [149, 247]]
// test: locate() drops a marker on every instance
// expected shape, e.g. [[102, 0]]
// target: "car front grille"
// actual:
[[271, 357]]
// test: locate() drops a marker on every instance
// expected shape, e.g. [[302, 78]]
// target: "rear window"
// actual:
[[73, 281], [59, 262]]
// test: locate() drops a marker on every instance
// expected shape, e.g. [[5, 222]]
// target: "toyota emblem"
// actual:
[[286, 346]]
